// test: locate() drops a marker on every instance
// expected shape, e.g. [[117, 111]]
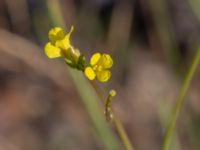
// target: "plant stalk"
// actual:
[[117, 124], [179, 101]]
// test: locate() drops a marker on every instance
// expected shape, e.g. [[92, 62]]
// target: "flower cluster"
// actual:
[[59, 43], [59, 46], [98, 67]]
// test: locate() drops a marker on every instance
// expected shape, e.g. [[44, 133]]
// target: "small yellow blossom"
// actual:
[[59, 43], [98, 67]]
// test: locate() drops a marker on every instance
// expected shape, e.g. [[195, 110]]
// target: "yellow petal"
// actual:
[[56, 34], [52, 51], [89, 73], [71, 30], [95, 58], [104, 75], [67, 37], [65, 42], [106, 61]]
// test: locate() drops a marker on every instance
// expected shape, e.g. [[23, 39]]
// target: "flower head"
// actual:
[[98, 67], [59, 43]]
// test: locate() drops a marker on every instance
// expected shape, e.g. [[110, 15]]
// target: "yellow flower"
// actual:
[[59, 44], [98, 67]]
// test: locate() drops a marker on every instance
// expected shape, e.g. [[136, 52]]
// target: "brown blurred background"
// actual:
[[152, 43]]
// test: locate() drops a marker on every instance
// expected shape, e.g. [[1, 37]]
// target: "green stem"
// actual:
[[122, 134], [117, 124], [179, 101]]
